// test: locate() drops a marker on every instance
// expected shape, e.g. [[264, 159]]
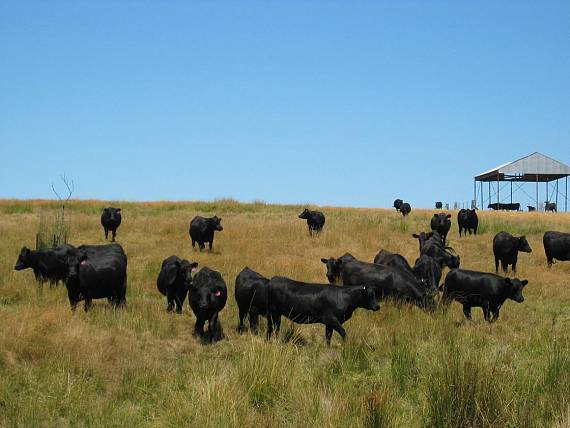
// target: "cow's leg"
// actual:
[[178, 302], [549, 260], [106, 233], [496, 265], [170, 306], [201, 245], [242, 315], [114, 232], [253, 321], [214, 329], [515, 264], [193, 243], [495, 314], [467, 311], [505, 266], [339, 329], [199, 327], [88, 303], [273, 321], [328, 334], [486, 312], [210, 245]]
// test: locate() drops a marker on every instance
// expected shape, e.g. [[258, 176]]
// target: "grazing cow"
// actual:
[[467, 221], [315, 220], [550, 206], [111, 220], [531, 208], [556, 246], [425, 270], [251, 298], [208, 296], [423, 237], [48, 264], [398, 204], [506, 249], [305, 303], [438, 205], [480, 289], [405, 209], [387, 281], [97, 272], [202, 230], [174, 281], [429, 270], [392, 259], [435, 249], [441, 223], [509, 207]]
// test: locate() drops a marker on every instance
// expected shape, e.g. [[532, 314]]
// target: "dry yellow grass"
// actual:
[[400, 366]]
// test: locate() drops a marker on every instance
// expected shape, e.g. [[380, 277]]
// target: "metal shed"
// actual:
[[534, 168]]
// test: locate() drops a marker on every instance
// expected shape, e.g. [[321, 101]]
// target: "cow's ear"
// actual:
[[508, 281], [325, 261], [522, 237], [415, 235], [194, 266], [524, 282], [435, 215], [219, 219], [448, 215], [82, 258], [118, 210]]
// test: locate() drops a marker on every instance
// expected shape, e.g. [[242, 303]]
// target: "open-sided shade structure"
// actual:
[[534, 168]]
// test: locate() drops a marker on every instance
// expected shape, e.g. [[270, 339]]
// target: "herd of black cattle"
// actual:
[[100, 271]]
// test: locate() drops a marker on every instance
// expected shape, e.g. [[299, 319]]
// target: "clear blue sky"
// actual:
[[340, 103]]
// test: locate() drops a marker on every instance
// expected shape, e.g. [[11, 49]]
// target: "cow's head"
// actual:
[[398, 204], [24, 259], [112, 213], [369, 298], [216, 223], [515, 289], [422, 237], [333, 269], [523, 245], [306, 214], [74, 262], [186, 269], [208, 297]]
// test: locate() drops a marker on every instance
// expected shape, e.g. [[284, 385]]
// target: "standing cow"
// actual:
[[111, 220], [467, 221], [405, 209], [550, 206], [315, 220], [202, 230], [174, 281], [251, 298], [556, 246], [208, 296], [441, 223], [48, 264], [506, 249], [480, 289]]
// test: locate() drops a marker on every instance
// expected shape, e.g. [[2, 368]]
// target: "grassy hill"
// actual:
[[399, 367]]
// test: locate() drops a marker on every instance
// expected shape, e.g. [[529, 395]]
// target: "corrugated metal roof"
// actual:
[[534, 167]]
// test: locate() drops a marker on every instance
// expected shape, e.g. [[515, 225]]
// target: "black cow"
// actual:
[[405, 209], [435, 249], [467, 221], [387, 281], [251, 298], [480, 289], [556, 246], [48, 264], [429, 270], [174, 281], [208, 296], [305, 303], [111, 220], [441, 223], [202, 230], [506, 249], [423, 237], [500, 206], [550, 206], [97, 272], [426, 270], [398, 204], [315, 220], [392, 259], [438, 205], [531, 208]]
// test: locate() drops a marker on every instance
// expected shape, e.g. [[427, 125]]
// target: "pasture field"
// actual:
[[400, 367]]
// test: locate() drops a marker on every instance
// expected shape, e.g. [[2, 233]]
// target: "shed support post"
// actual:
[[498, 189], [547, 195], [474, 192], [557, 195], [481, 184], [489, 191], [537, 207], [511, 192], [566, 196]]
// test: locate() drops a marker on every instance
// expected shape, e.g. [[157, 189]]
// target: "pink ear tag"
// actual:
[[194, 269], [83, 262], [218, 293]]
